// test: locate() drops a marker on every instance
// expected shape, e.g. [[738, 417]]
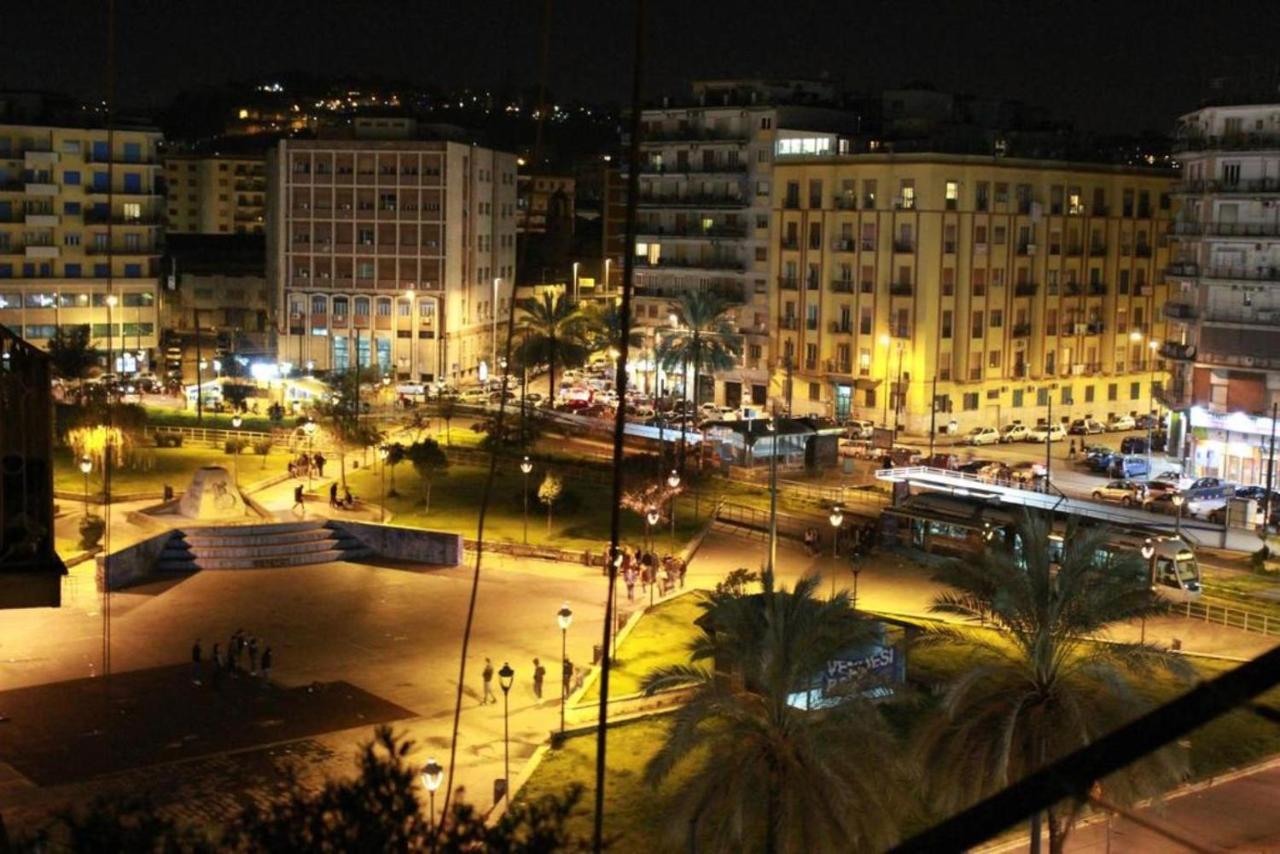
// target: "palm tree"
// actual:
[[1040, 687], [603, 328], [704, 340], [764, 774], [553, 335]]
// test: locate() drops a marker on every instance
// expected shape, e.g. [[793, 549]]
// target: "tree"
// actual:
[[395, 455], [549, 492], [553, 331], [602, 328], [446, 406], [1042, 688], [70, 352], [428, 461], [704, 340], [236, 389], [760, 773]]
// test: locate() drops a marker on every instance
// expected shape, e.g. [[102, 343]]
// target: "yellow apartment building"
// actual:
[[963, 290], [215, 194]]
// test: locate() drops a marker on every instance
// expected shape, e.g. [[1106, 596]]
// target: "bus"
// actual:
[[959, 526]]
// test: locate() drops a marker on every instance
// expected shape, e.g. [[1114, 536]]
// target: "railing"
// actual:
[[789, 243], [1252, 185], [693, 135], [1183, 270], [835, 366], [1236, 360], [791, 322], [842, 245], [1180, 310], [1025, 289], [1252, 274], [788, 284], [1097, 289], [1097, 249], [900, 289], [842, 286], [692, 168], [693, 231], [1075, 250], [1021, 330], [1224, 615], [694, 263], [842, 203], [1227, 229], [1231, 142], [707, 200], [904, 246]]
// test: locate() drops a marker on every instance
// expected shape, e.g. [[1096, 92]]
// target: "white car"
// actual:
[[982, 436], [1046, 433], [475, 395], [1120, 422], [860, 429], [1016, 432]]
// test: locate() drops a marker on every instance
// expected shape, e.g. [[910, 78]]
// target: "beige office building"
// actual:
[[79, 236], [210, 194], [399, 250], [967, 289]]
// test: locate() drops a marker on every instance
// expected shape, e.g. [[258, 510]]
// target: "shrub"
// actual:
[[91, 530], [168, 440], [235, 446], [262, 447]]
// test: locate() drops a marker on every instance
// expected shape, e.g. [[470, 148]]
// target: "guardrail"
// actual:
[[219, 435], [1223, 615], [845, 495]]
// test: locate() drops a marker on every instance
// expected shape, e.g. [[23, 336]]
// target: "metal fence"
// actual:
[[1224, 615], [845, 495]]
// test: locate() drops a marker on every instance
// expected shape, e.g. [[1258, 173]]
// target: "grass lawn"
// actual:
[[1256, 592], [155, 467], [635, 811], [579, 520], [158, 417], [660, 638]]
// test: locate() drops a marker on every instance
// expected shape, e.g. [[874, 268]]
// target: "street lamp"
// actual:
[[564, 617], [836, 519], [383, 453], [201, 366], [1152, 345], [673, 481], [1178, 501], [505, 677], [432, 777], [310, 429], [1149, 555], [236, 421], [525, 467], [413, 333], [86, 466]]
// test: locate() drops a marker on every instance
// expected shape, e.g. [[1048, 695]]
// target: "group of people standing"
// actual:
[[571, 678], [854, 540], [239, 648], [302, 465], [646, 567]]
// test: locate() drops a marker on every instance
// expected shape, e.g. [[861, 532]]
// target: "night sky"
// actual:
[[1122, 65]]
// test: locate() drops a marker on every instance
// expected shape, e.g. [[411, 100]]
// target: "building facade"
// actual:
[[703, 220], [1225, 285], [967, 290], [400, 253], [214, 194], [80, 219]]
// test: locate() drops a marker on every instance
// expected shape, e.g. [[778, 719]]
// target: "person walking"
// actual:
[[566, 676], [487, 675], [319, 460], [297, 500], [197, 662], [539, 673], [629, 578], [293, 470], [253, 656], [266, 664], [1071, 449], [333, 494]]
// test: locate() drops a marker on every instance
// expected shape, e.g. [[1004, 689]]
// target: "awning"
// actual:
[[866, 383]]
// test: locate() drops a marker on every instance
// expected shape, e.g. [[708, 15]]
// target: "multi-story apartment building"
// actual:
[[79, 236], [543, 200], [1225, 285], [967, 289], [705, 185], [399, 250], [211, 194]]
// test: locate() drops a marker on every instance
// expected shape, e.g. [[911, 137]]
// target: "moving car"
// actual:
[[1129, 466], [1133, 445], [1015, 432], [982, 436], [1120, 422], [1046, 433], [1126, 492], [1085, 427]]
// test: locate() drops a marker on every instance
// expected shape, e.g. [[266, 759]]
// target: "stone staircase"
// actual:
[[258, 547]]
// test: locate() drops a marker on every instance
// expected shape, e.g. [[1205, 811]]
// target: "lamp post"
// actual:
[[1178, 501], [1149, 555], [857, 570], [505, 677], [201, 365], [564, 617], [525, 467], [673, 481], [86, 466], [413, 333], [575, 282], [236, 421], [1152, 345], [493, 314], [310, 429], [383, 453], [836, 519], [432, 777], [651, 518]]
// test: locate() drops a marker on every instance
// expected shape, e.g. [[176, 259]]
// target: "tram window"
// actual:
[[1167, 573]]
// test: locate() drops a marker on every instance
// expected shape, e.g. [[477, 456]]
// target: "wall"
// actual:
[[393, 541], [133, 565]]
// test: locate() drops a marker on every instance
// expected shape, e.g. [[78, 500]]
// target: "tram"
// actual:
[[961, 527]]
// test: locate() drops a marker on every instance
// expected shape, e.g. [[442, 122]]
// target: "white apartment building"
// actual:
[[1225, 282], [398, 252], [704, 212]]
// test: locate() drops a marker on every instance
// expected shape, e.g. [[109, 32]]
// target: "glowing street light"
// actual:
[[506, 676], [836, 519], [432, 777], [86, 466], [526, 466], [565, 618], [673, 481]]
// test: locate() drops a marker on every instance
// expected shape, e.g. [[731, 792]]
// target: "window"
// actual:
[[997, 318], [1135, 391], [869, 195], [71, 178], [1075, 202], [1017, 398], [1066, 396], [948, 281], [1050, 364], [132, 211], [946, 324], [318, 305], [1088, 394], [815, 391], [981, 198], [815, 194], [993, 359], [970, 401], [952, 195], [976, 325], [1112, 392], [907, 194], [1042, 397], [793, 195]]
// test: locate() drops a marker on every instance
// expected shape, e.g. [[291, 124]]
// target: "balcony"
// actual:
[[40, 188], [1142, 250], [1097, 249], [842, 286], [1241, 274], [836, 327], [38, 250], [843, 245], [95, 218], [786, 284], [1025, 249], [41, 219], [122, 249], [979, 249], [1231, 142], [1182, 271], [1177, 352], [693, 134], [35, 157], [1238, 360], [900, 289], [1100, 210], [731, 265], [811, 324], [1021, 330], [693, 169], [1073, 289], [1096, 327], [1266, 318], [1253, 186], [790, 322], [868, 245], [1180, 311], [1227, 229], [706, 200], [838, 366], [1097, 289], [845, 203], [904, 246], [789, 243], [1025, 289], [697, 232]]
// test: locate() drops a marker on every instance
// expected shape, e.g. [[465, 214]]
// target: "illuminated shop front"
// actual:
[[1235, 446]]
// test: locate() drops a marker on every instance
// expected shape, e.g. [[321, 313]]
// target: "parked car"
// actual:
[[1101, 462], [1148, 422], [1206, 483], [982, 436], [1120, 422], [1129, 466], [1133, 445], [856, 448], [1015, 432], [1159, 441], [1046, 433], [1156, 488], [942, 461], [1026, 471], [860, 429], [974, 466], [1126, 492], [1085, 427]]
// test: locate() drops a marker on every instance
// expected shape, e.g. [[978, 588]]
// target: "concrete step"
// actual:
[[288, 559], [265, 549], [211, 538], [258, 529]]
